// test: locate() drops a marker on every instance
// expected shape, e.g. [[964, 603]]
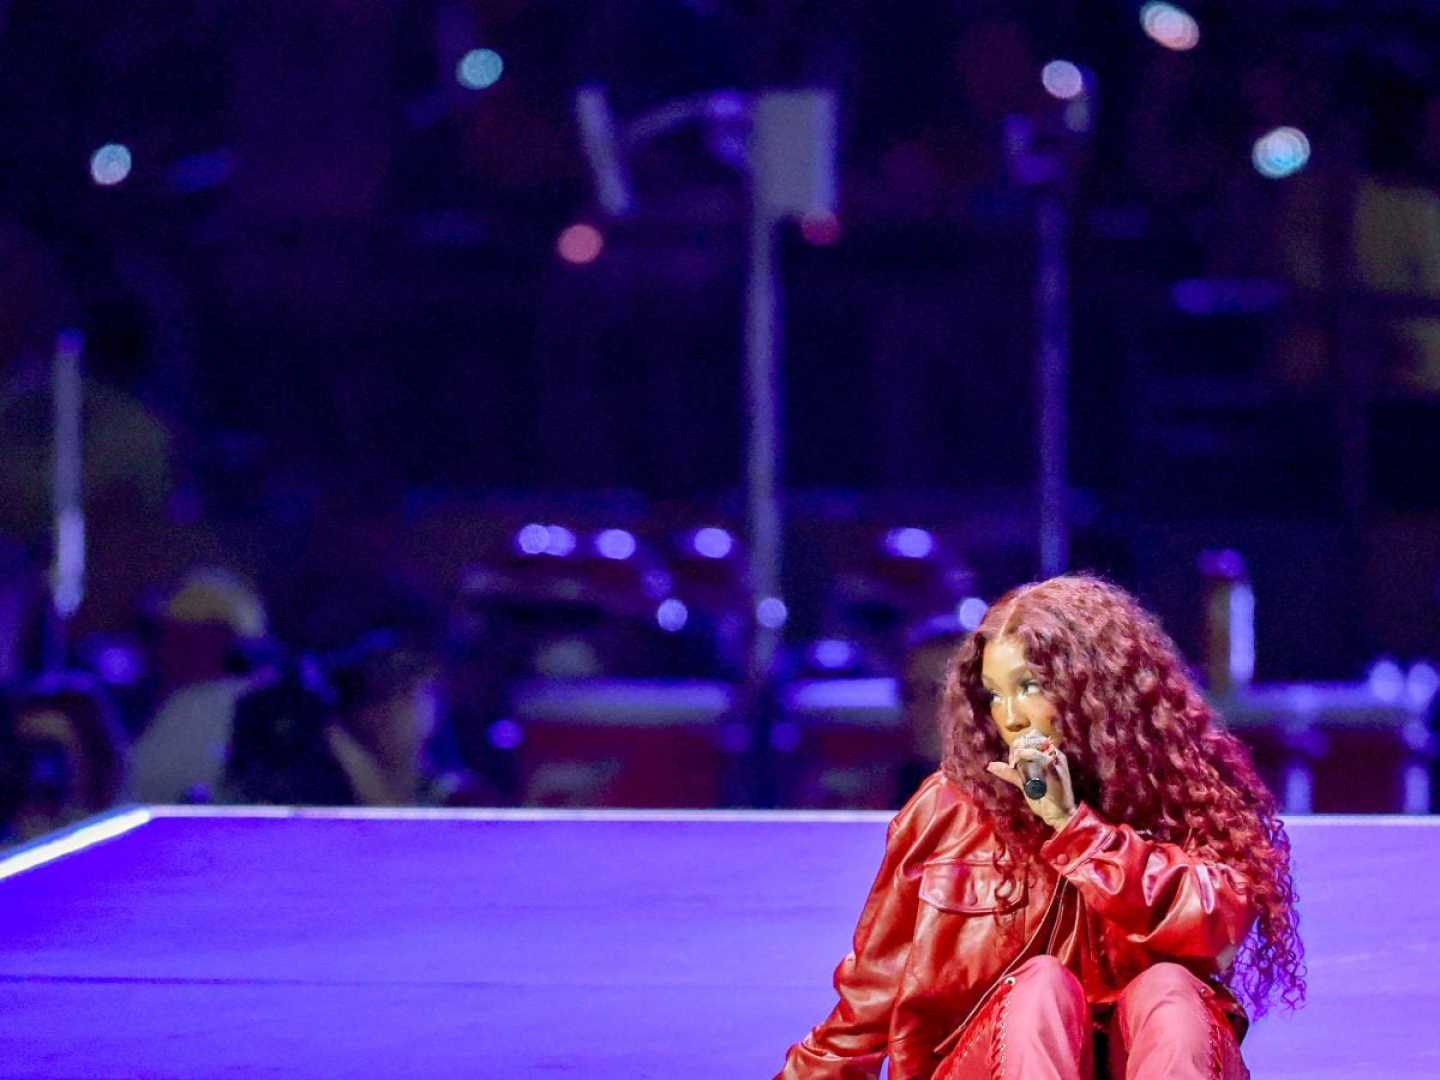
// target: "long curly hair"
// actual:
[[1144, 749]]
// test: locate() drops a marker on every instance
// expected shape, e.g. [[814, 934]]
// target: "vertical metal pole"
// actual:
[[1052, 375], [762, 444], [67, 569]]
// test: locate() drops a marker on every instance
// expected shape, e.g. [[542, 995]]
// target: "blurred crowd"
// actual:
[[193, 698]]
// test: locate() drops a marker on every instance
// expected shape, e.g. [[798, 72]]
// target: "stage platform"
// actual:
[[182, 942]]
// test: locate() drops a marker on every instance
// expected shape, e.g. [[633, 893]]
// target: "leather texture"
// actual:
[[941, 928]]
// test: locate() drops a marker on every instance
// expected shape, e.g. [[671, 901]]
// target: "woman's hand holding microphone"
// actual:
[[1040, 771]]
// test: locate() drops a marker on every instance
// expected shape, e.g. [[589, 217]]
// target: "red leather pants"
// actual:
[[1037, 1026]]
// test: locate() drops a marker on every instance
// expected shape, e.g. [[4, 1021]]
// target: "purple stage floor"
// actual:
[[601, 945]]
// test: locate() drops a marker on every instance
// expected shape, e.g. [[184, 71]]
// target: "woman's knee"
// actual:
[[1164, 980], [1048, 976], [1163, 988]]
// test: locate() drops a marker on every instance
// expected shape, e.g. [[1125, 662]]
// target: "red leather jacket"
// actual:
[[940, 929]]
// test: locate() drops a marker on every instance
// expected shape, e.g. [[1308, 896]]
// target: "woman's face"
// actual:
[[1018, 703]]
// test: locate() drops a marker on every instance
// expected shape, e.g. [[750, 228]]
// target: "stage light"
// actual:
[[970, 611], [533, 539], [615, 544], [820, 230], [672, 614], [110, 164], [832, 653], [1062, 79], [712, 543], [1171, 26], [1421, 684], [559, 540], [580, 244], [1281, 153], [1386, 680], [771, 613], [909, 543], [479, 69]]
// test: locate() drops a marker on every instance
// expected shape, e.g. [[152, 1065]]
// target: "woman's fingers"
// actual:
[[1023, 755], [1005, 772]]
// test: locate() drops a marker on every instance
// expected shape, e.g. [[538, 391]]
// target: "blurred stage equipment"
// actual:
[[791, 166], [1229, 622], [1321, 747], [1040, 149], [627, 743], [67, 568]]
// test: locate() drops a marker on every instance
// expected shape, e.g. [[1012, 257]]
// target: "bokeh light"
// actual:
[[771, 613], [580, 244], [533, 539], [479, 69], [1062, 79], [615, 544], [909, 543], [712, 543], [672, 614], [970, 611], [1281, 153], [559, 540], [832, 653], [110, 164], [1170, 26], [1386, 680]]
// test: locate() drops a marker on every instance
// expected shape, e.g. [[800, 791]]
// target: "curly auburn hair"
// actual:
[[1144, 749]]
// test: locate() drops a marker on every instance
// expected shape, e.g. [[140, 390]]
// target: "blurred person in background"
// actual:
[[387, 709], [360, 737], [203, 629], [1396, 221], [280, 751], [929, 647], [65, 755]]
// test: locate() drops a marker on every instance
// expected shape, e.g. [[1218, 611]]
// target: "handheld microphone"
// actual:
[[1033, 771]]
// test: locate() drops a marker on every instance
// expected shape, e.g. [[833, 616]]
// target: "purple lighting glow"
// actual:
[[505, 734], [832, 654], [712, 543], [909, 543], [672, 615], [533, 539], [615, 544], [970, 611], [771, 613], [559, 540], [1386, 680]]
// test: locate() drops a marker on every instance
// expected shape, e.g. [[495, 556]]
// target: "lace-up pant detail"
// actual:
[[1037, 1026]]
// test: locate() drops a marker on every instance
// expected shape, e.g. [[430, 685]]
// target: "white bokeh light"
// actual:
[[1280, 153], [110, 164], [1170, 26], [615, 544], [479, 69], [1062, 79]]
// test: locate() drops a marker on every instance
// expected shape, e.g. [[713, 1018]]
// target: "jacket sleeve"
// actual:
[[850, 1043], [1169, 901]]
